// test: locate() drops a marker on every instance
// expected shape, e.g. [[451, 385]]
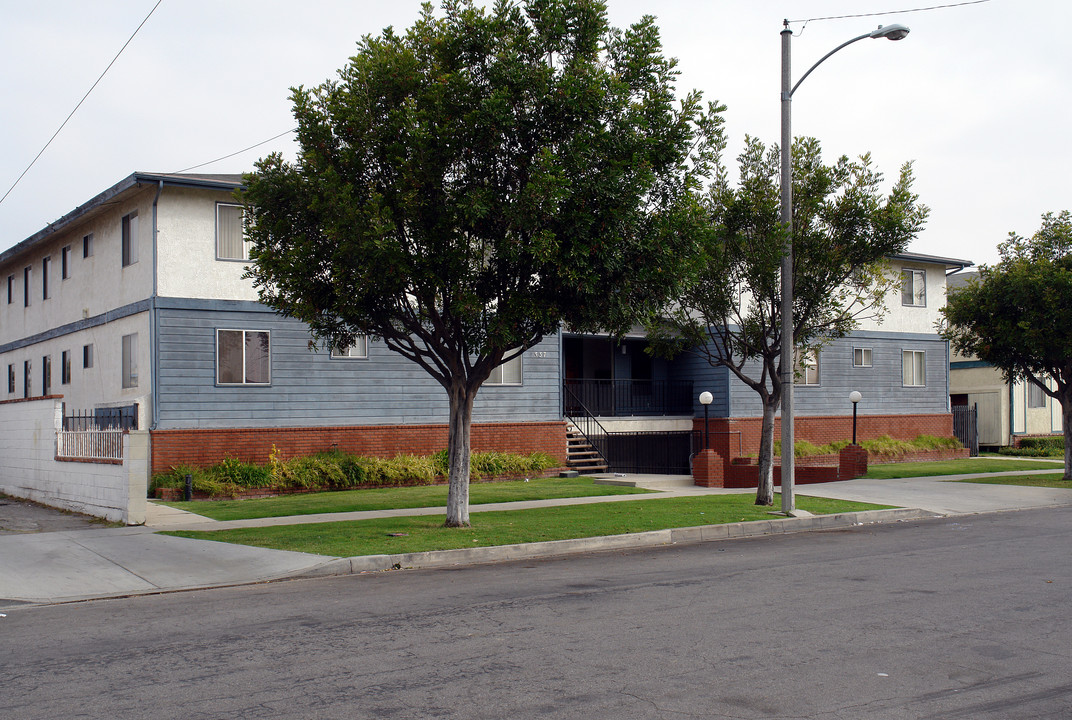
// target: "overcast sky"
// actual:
[[978, 96]]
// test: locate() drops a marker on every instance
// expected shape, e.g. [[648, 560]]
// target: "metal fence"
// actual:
[[966, 427], [620, 398], [90, 444], [121, 418], [663, 453]]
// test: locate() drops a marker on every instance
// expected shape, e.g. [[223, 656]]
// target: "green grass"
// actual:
[[404, 497], [1047, 481], [507, 527], [955, 467]]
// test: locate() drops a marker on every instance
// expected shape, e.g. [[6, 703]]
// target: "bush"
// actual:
[[1053, 446]]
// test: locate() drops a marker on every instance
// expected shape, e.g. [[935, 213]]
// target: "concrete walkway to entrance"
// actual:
[[78, 564]]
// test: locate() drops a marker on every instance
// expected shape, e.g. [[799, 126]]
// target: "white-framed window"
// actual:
[[46, 375], [806, 368], [509, 373], [46, 266], [914, 288], [130, 360], [243, 357], [10, 289], [27, 371], [914, 368], [1036, 396], [861, 357], [27, 277], [65, 367], [231, 241], [11, 379], [357, 351], [87, 246], [130, 238], [87, 356], [65, 262]]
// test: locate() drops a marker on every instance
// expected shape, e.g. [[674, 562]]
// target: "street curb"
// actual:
[[556, 548]]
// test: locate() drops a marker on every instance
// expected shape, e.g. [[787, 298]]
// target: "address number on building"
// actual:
[[539, 353]]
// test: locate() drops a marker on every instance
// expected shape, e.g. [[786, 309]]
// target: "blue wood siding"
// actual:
[[309, 388]]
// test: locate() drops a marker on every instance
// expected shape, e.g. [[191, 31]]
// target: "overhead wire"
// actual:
[[892, 12], [238, 152], [64, 123]]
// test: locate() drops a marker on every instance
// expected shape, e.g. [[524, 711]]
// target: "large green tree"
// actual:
[[1018, 314], [465, 188], [843, 229]]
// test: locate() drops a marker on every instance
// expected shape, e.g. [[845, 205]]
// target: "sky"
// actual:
[[977, 96]]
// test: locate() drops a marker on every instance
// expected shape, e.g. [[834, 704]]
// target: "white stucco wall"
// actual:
[[29, 469], [186, 243], [912, 319]]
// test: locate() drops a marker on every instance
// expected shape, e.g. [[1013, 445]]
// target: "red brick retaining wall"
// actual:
[[201, 447]]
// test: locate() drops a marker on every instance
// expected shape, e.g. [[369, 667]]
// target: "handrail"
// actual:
[[583, 422]]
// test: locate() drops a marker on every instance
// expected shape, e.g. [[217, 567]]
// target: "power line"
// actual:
[[36, 157], [893, 12], [239, 152]]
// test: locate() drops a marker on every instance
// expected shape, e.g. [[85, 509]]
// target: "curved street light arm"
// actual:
[[824, 57]]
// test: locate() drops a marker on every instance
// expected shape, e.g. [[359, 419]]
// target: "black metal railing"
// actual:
[[618, 398], [586, 423], [966, 427], [106, 418]]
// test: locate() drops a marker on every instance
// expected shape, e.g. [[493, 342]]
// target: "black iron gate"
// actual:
[[966, 426]]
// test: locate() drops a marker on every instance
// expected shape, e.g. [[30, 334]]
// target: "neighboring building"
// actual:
[[1004, 412], [134, 306]]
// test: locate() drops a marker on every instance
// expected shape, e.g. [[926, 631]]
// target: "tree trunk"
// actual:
[[458, 448], [765, 489], [1066, 426]]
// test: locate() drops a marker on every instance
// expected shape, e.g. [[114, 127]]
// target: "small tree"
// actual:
[[466, 188], [1017, 315], [843, 229]]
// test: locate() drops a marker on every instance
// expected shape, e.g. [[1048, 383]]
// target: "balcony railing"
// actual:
[[624, 398], [90, 444]]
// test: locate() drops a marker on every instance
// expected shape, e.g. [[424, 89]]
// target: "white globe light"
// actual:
[[706, 398]]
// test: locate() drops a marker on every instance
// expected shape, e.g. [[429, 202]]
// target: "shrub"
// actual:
[[1053, 446], [242, 474]]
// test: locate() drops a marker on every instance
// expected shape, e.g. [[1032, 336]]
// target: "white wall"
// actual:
[[911, 319], [29, 469]]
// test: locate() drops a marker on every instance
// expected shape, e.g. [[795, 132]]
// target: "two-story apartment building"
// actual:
[[135, 305]]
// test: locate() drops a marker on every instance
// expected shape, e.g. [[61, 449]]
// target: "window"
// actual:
[[243, 357], [65, 368], [861, 357], [10, 289], [46, 375], [359, 349], [130, 239], [11, 379], [26, 370], [87, 245], [87, 356], [46, 265], [914, 288], [913, 368], [27, 277], [509, 373], [230, 237], [130, 360], [806, 368], [65, 263], [1036, 396]]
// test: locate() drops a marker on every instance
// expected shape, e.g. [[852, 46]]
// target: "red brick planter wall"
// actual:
[[202, 447]]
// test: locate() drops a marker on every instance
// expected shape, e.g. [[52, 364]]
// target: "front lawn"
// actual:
[[400, 497], [1047, 481], [507, 527], [955, 467]]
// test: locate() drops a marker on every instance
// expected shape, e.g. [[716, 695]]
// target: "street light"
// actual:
[[705, 400], [855, 397], [890, 32]]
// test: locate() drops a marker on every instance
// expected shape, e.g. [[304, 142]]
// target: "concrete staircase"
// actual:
[[580, 455]]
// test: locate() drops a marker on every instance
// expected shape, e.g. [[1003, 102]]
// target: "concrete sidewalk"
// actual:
[[71, 565]]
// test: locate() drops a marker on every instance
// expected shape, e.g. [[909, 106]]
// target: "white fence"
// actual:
[[90, 444]]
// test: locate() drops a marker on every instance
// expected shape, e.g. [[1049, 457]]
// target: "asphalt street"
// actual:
[[951, 617]]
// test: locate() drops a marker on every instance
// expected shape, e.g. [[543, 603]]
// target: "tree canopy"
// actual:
[[466, 187], [1017, 315], [843, 228]]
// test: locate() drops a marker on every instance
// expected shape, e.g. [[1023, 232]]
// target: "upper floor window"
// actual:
[[65, 262], [11, 378], [806, 368], [861, 357], [46, 265], [10, 289], [230, 237], [87, 356], [27, 277], [914, 368], [359, 349], [130, 360], [509, 373], [46, 375], [914, 288], [130, 238], [27, 369], [87, 245], [65, 368], [243, 357]]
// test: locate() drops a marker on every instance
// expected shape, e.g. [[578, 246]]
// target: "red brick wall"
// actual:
[[200, 447], [822, 430]]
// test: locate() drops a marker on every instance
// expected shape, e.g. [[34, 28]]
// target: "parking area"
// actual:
[[21, 516]]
